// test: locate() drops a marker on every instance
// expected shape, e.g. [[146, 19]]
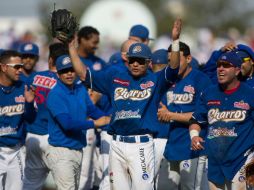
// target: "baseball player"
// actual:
[[88, 41], [186, 166], [159, 62], [69, 106], [16, 106], [36, 169], [227, 109], [29, 57], [135, 95], [139, 33]]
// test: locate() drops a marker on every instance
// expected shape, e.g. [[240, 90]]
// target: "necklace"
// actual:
[[7, 90]]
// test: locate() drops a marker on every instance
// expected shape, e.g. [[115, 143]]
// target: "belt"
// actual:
[[132, 139]]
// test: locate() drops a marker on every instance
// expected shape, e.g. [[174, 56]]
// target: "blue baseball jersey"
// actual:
[[13, 112], [77, 104], [230, 129], [43, 82], [134, 101], [182, 97], [94, 63]]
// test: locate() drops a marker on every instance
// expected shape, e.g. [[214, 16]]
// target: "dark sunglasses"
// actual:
[[224, 64], [67, 70], [15, 66], [141, 61]]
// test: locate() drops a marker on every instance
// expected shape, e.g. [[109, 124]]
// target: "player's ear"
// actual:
[[189, 58]]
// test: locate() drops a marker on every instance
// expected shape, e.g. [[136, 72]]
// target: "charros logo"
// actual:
[[66, 60], [136, 95], [215, 115], [137, 49], [28, 47], [184, 98]]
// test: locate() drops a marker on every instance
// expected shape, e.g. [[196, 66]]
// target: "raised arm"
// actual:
[[78, 65], [175, 54]]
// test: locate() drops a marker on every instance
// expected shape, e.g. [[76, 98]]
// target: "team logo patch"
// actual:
[[20, 99], [145, 176], [214, 102], [66, 60], [186, 165], [97, 66], [241, 178], [137, 49], [146, 85], [111, 177], [242, 105], [122, 82], [190, 89]]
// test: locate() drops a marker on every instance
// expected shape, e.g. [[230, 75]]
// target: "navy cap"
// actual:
[[63, 62], [139, 31], [139, 50], [160, 57], [232, 58], [29, 48], [244, 52]]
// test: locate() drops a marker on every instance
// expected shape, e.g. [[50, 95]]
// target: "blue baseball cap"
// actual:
[[140, 31], [245, 52], [115, 58], [139, 50], [160, 57], [29, 48], [63, 62], [231, 57]]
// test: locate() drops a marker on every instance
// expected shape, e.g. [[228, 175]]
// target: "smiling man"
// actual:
[[228, 110]]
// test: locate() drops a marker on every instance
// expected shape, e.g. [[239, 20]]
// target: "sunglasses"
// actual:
[[224, 64], [140, 61], [66, 70], [15, 66]]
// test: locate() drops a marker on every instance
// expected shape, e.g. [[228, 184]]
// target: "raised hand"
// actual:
[[29, 94], [176, 30]]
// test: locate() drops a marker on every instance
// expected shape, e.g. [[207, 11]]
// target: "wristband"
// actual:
[[194, 133], [175, 45]]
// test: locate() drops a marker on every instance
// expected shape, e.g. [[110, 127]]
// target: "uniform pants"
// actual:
[[12, 162]]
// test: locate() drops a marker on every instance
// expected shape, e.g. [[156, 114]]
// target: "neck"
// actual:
[[4, 81], [27, 72], [82, 53], [232, 85], [187, 71]]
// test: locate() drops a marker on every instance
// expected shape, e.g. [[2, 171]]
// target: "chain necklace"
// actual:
[[7, 90]]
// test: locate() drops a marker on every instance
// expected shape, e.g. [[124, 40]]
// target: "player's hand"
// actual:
[[230, 46], [196, 143], [102, 121], [163, 113], [176, 30], [29, 94]]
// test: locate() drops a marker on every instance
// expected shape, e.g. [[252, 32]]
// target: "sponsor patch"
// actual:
[[121, 82], [146, 85], [97, 66], [242, 105], [45, 82], [20, 99], [145, 176], [241, 179], [190, 89], [214, 102], [186, 165]]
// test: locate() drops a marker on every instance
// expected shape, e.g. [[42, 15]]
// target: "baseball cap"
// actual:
[[245, 52], [232, 58], [139, 50], [160, 57], [29, 48], [140, 31], [63, 62], [115, 58]]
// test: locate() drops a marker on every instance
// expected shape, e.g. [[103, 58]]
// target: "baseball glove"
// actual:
[[249, 169], [63, 25]]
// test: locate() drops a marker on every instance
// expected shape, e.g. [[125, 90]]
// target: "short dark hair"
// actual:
[[183, 47], [56, 50], [7, 54], [86, 32]]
